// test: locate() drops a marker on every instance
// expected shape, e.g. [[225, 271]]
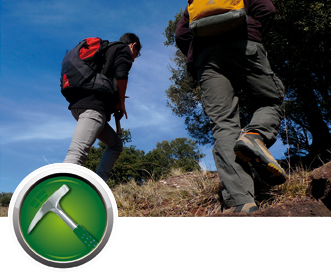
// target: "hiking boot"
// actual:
[[244, 208], [251, 148]]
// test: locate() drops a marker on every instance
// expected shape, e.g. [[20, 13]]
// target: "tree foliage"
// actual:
[[131, 165], [135, 164], [180, 153], [95, 153], [300, 52], [5, 198], [299, 48]]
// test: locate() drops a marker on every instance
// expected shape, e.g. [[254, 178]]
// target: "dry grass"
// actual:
[[294, 188], [3, 211], [198, 196]]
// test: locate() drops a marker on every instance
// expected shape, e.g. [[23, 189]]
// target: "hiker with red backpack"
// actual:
[[94, 80], [225, 53]]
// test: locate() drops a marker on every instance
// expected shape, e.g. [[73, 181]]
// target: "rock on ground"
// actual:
[[320, 185]]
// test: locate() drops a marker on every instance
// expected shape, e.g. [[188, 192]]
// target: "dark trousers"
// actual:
[[222, 70]]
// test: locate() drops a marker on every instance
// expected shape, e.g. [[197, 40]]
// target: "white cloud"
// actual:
[[147, 115], [45, 128], [29, 122]]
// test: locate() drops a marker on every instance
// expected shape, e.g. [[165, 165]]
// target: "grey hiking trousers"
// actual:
[[92, 125], [222, 70]]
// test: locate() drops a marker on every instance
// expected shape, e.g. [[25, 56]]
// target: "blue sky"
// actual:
[[35, 125]]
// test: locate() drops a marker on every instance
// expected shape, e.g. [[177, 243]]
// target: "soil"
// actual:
[[304, 208]]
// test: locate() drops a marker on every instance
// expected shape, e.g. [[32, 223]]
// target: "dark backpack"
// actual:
[[82, 68]]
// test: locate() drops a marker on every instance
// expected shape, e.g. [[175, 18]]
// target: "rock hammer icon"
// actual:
[[52, 204]]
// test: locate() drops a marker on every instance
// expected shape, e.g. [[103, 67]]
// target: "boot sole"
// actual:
[[240, 209], [268, 168]]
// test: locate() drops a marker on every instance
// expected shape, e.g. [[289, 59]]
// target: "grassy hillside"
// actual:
[[194, 194]]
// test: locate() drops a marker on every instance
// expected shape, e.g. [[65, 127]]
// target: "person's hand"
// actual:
[[121, 111], [121, 88]]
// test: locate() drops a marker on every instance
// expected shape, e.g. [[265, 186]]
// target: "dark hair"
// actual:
[[129, 38]]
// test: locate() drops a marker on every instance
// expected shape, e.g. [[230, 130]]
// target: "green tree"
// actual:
[[179, 153], [300, 51], [135, 164], [5, 198], [95, 153], [130, 165], [299, 48]]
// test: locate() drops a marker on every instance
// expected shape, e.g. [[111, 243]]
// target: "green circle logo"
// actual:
[[56, 212], [62, 215]]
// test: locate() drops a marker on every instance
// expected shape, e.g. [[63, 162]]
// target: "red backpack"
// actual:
[[82, 67]]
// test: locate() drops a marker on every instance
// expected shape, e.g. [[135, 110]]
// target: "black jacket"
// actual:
[[117, 66]]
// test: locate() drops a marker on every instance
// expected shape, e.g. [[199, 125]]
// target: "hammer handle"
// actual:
[[118, 126], [85, 237]]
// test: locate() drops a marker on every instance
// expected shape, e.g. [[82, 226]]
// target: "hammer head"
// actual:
[[51, 204]]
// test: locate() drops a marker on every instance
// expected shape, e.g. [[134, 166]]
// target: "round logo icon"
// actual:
[[63, 215]]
